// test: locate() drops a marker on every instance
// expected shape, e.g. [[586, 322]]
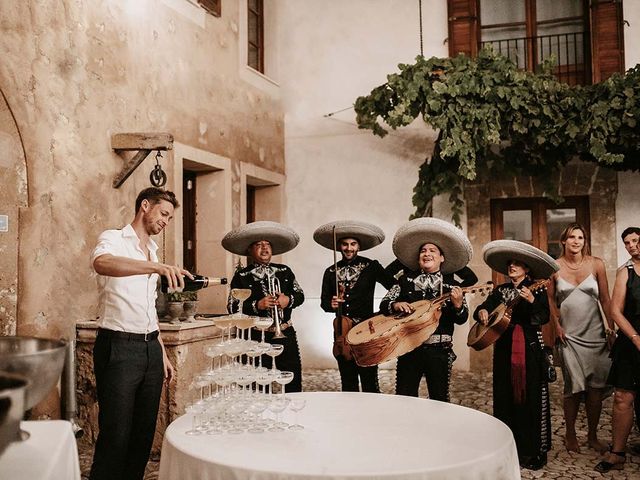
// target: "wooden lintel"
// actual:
[[130, 167], [142, 141]]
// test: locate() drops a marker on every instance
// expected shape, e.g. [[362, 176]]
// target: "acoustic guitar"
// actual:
[[385, 337], [481, 336]]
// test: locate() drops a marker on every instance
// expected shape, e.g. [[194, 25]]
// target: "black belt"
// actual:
[[136, 337], [437, 345]]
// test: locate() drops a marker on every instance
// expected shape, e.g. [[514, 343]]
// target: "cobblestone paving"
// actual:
[[474, 390]]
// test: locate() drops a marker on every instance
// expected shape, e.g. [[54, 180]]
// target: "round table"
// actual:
[[50, 453], [351, 435]]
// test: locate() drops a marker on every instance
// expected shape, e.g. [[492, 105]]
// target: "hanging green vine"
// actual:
[[491, 116]]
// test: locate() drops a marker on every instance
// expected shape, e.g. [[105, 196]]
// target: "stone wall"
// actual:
[[13, 197], [578, 178], [74, 73]]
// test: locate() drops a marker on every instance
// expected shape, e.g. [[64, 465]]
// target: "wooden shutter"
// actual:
[[606, 39], [463, 27], [214, 7]]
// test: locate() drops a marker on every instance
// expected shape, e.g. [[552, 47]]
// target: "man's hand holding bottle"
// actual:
[[172, 277]]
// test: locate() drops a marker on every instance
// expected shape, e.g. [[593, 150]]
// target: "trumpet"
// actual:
[[274, 290]]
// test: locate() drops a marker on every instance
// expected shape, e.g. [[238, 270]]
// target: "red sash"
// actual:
[[518, 366]]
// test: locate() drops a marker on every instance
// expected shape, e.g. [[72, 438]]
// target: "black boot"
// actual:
[[537, 462]]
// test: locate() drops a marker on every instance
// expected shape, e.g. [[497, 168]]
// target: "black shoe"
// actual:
[[536, 463], [604, 466]]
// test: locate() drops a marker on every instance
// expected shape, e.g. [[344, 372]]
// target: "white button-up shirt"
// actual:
[[127, 304]]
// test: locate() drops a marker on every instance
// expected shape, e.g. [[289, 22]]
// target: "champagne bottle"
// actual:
[[197, 283]]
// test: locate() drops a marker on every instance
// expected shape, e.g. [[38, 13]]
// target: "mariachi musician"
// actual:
[[432, 249], [520, 378], [259, 241], [465, 277], [357, 277]]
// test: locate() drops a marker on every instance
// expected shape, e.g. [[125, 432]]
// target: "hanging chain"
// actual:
[[164, 246], [420, 9]]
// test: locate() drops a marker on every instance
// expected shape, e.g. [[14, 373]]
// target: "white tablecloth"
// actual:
[[50, 453], [350, 435]]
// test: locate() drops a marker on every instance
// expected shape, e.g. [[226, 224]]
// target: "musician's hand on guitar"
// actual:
[[335, 301], [526, 294], [483, 317], [402, 307], [456, 297]]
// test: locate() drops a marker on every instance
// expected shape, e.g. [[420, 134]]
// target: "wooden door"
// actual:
[[189, 221]]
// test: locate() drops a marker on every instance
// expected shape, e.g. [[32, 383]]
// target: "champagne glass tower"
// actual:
[[240, 294]]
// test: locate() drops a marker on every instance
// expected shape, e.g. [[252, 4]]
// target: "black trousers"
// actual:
[[349, 373], [129, 377], [288, 360], [431, 361]]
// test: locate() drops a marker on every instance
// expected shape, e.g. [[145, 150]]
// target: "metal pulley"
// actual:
[[157, 177]]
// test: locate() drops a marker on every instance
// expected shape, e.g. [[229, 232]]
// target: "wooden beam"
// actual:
[[142, 141], [128, 169]]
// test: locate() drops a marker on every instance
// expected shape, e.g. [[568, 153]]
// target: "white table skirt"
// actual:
[[50, 453], [351, 435]]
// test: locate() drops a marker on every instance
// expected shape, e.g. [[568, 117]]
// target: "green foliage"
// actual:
[[491, 116]]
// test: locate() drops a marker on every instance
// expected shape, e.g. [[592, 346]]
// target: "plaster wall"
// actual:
[[627, 208], [332, 53], [631, 14], [628, 200], [76, 72]]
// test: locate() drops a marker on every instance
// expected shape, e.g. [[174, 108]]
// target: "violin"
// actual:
[[341, 326]]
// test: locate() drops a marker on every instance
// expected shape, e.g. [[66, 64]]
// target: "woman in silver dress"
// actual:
[[581, 333]]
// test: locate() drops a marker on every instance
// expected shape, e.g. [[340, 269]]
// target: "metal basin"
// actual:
[[12, 400], [39, 360]]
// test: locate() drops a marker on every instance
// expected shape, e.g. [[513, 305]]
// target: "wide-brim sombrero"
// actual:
[[452, 242], [281, 237], [368, 235], [498, 253]]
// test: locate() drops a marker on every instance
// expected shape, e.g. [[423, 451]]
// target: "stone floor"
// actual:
[[474, 390]]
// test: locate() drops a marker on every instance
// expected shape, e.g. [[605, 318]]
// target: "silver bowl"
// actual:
[[39, 360], [12, 397]]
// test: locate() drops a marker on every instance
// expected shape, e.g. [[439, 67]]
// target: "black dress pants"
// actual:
[[431, 361], [288, 360], [129, 377], [349, 373]]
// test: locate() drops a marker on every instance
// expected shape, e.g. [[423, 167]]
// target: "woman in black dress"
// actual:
[[625, 369]]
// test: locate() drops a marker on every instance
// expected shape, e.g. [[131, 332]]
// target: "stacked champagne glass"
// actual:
[[233, 396]]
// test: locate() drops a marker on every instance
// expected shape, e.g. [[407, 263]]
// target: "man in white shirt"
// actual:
[[130, 362]]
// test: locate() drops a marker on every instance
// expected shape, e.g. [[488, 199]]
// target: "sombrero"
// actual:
[[452, 242], [281, 237], [368, 235], [497, 254]]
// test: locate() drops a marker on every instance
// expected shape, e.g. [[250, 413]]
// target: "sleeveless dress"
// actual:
[[625, 371], [584, 359]]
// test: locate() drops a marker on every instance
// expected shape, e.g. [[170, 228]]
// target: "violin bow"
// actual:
[[335, 261]]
